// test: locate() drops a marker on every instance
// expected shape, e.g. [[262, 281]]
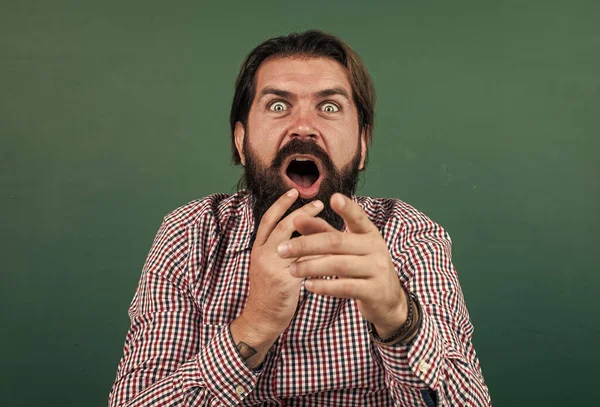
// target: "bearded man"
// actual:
[[294, 291]]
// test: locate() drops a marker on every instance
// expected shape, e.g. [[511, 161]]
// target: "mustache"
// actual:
[[296, 146]]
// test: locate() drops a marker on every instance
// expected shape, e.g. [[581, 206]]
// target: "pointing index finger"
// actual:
[[355, 218]]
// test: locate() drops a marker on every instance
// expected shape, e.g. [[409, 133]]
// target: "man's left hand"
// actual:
[[360, 259]]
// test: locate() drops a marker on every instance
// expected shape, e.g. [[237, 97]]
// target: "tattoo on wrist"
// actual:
[[246, 351]]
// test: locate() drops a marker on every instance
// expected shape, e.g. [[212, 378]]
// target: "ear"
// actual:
[[363, 149], [238, 134]]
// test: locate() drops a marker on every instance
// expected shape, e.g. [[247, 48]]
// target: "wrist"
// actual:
[[388, 328], [251, 340], [403, 333], [395, 318], [258, 328]]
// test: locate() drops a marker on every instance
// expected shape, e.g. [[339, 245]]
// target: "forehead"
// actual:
[[302, 74]]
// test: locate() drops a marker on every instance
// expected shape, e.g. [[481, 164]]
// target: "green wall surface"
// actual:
[[114, 113]]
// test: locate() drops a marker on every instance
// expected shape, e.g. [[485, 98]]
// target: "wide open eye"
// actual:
[[329, 107], [278, 106]]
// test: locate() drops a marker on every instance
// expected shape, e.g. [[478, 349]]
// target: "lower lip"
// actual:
[[306, 193]]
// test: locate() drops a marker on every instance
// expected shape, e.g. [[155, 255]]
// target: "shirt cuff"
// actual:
[[418, 363], [223, 371]]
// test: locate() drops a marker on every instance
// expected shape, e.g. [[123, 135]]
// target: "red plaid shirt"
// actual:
[[179, 350]]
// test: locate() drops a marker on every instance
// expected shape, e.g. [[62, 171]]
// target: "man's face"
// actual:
[[302, 133]]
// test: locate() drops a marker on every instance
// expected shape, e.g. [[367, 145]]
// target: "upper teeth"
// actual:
[[301, 159]]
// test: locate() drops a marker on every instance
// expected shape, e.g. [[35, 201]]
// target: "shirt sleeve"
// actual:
[[168, 360], [441, 357]]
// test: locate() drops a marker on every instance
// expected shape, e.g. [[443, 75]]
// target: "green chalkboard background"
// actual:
[[114, 113]]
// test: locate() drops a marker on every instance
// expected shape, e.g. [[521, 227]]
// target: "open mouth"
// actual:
[[304, 174]]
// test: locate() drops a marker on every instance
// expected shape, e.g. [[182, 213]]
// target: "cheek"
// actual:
[[262, 147], [344, 157], [345, 147], [264, 137]]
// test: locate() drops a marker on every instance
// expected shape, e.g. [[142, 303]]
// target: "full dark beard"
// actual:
[[266, 184]]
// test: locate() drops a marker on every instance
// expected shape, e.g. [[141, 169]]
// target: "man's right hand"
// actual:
[[273, 295]]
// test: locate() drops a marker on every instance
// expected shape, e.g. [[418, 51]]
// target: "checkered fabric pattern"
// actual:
[[179, 350]]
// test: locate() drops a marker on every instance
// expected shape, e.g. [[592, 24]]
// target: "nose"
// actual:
[[303, 126]]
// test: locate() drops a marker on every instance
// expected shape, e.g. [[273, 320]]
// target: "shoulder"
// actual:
[[397, 219], [188, 233], [212, 211], [383, 210]]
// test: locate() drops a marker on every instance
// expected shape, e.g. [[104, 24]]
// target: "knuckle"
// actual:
[[345, 266], [297, 245], [306, 211], [281, 226], [267, 219], [339, 266], [300, 269], [311, 208], [336, 240]]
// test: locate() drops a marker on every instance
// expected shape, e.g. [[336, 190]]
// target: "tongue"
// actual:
[[304, 181]]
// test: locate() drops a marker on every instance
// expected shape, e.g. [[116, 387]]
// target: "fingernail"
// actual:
[[341, 201], [293, 269], [318, 204], [283, 249], [292, 192]]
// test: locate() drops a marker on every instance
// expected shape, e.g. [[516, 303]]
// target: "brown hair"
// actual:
[[312, 43]]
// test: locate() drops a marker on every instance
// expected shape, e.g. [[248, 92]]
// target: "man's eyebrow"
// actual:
[[277, 92], [320, 94], [333, 91]]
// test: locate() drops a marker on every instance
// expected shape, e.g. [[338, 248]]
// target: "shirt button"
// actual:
[[240, 390], [424, 366]]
